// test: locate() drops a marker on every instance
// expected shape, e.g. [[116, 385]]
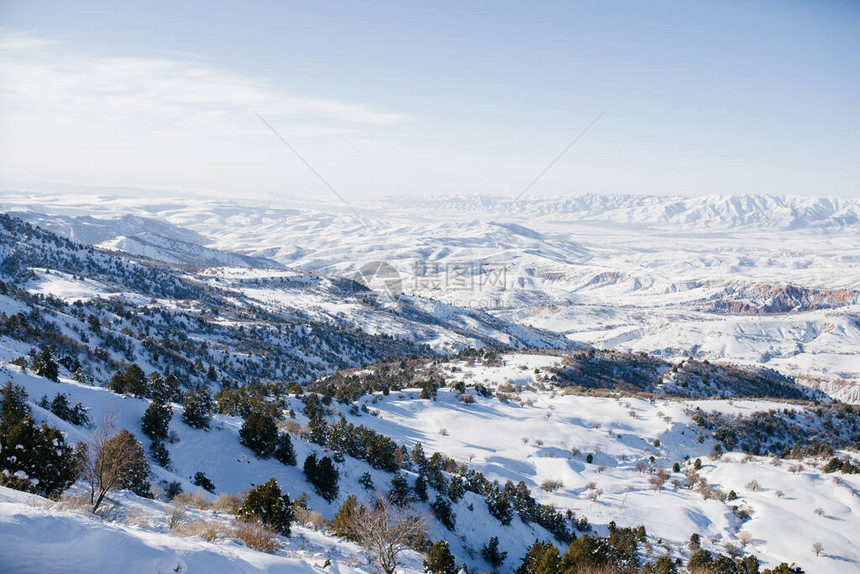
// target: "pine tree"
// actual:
[[348, 515], [440, 560], [198, 407], [326, 479], [284, 451], [266, 504], [45, 366], [399, 493], [201, 480], [442, 511], [587, 552], [259, 433], [132, 380], [664, 565], [535, 560], [156, 420], [491, 553], [159, 453], [421, 488], [32, 458]]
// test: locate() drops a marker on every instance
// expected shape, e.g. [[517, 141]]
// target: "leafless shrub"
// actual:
[[641, 466], [227, 503], [208, 530], [819, 511], [591, 485], [292, 427], [467, 398], [601, 468], [256, 536], [733, 551], [753, 485], [779, 494], [176, 515], [551, 485], [137, 517], [744, 537], [443, 432], [387, 531], [817, 548], [659, 479], [194, 500], [575, 451], [776, 461]]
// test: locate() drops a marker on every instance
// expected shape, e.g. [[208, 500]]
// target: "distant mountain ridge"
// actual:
[[715, 211]]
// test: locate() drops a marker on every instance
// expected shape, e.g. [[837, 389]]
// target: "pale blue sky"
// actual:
[[441, 97]]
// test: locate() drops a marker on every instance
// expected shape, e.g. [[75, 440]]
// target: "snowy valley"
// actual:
[[685, 365]]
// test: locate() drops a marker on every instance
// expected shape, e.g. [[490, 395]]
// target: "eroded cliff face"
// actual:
[[758, 298]]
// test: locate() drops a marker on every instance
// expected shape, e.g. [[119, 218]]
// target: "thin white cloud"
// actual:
[[164, 121]]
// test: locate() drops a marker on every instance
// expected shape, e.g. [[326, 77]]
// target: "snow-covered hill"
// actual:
[[763, 280], [596, 455]]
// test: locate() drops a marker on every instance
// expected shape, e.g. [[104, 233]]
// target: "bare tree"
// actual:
[[112, 459], [387, 531], [817, 548]]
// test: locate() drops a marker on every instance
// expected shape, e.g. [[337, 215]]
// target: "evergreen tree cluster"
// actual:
[[323, 475], [266, 504], [32, 458], [77, 415]]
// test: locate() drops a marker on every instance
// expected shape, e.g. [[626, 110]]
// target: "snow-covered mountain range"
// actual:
[[762, 280]]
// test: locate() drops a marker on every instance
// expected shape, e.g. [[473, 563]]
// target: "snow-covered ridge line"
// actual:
[[718, 211]]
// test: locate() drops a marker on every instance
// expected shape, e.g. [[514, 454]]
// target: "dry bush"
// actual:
[[69, 501], [227, 503], [208, 530], [256, 536], [819, 511], [779, 494], [658, 481], [316, 520], [744, 537], [753, 485], [305, 517], [137, 517], [176, 515], [194, 500], [292, 427], [551, 485]]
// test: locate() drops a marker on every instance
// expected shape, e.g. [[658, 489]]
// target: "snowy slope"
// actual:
[[539, 433]]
